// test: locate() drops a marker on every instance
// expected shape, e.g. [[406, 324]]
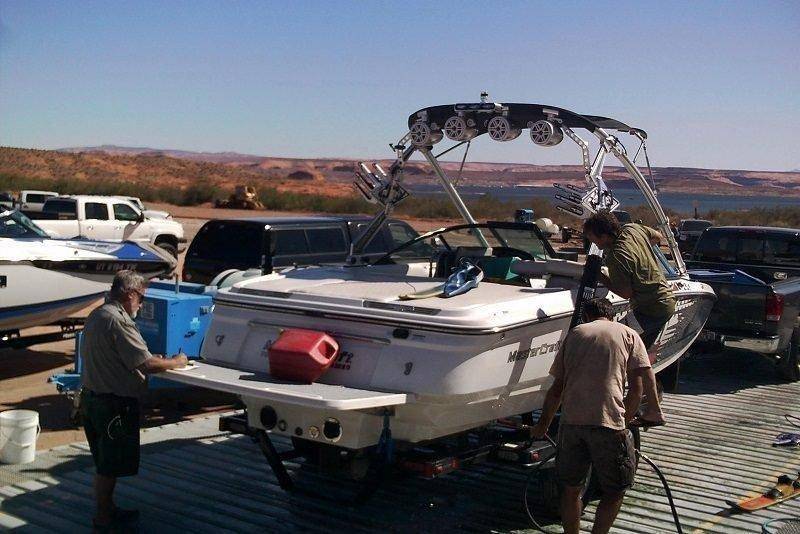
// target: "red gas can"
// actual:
[[302, 355]]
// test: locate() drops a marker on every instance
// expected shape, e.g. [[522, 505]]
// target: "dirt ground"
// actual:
[[24, 373]]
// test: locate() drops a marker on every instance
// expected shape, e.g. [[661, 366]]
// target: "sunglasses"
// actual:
[[140, 293]]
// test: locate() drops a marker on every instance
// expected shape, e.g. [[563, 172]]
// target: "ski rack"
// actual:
[[380, 187], [583, 203]]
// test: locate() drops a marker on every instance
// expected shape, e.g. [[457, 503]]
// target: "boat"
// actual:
[[44, 280], [410, 361]]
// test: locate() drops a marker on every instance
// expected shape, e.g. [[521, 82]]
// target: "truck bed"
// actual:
[[742, 310]]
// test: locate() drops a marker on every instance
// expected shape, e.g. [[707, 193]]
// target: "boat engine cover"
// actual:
[[302, 355]]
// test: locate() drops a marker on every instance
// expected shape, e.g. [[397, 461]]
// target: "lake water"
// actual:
[[680, 202]]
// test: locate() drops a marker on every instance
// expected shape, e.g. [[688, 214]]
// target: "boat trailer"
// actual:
[[68, 329]]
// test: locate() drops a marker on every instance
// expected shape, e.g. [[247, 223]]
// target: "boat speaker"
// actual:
[[422, 135], [546, 133], [458, 129], [500, 129]]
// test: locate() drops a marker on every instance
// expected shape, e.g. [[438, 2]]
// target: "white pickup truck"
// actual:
[[108, 219], [32, 202], [150, 214]]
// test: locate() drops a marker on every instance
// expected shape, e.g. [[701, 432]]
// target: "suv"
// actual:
[[223, 244]]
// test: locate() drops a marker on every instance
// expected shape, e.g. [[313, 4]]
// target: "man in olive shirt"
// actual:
[[633, 271], [590, 371], [115, 364]]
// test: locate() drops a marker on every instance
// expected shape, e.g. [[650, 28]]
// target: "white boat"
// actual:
[[44, 280], [410, 360]]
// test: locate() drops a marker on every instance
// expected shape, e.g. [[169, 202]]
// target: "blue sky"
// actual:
[[716, 84]]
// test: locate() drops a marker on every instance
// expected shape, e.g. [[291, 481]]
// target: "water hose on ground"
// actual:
[[652, 464]]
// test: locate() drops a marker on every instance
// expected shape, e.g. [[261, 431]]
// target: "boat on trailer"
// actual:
[[45, 280], [411, 361]]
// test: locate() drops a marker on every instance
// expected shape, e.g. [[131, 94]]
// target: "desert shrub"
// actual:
[[485, 207], [198, 193], [783, 216], [302, 175]]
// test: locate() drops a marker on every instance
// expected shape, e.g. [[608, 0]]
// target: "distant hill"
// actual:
[[333, 176], [148, 168], [211, 157]]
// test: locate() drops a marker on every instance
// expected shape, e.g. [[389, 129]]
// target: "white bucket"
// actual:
[[18, 432]]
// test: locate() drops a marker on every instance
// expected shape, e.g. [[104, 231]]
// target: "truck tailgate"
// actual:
[[741, 301]]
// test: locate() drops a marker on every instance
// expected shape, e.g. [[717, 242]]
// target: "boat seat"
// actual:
[[449, 259], [559, 273]]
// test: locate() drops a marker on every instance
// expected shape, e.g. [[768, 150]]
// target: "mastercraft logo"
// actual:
[[541, 350]]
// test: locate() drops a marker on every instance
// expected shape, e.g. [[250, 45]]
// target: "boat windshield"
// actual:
[[505, 239], [16, 224]]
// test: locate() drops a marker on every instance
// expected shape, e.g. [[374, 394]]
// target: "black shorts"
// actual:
[[111, 424], [651, 327], [610, 453]]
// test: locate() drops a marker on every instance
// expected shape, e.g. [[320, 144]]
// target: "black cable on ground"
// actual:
[[652, 464], [533, 471], [791, 419], [666, 489]]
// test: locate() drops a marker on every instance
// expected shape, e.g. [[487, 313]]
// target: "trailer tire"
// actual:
[[789, 363]]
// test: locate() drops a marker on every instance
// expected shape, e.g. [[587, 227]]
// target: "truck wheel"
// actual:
[[789, 364], [169, 247]]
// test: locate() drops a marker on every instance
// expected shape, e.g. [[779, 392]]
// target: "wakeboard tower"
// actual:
[[429, 369]]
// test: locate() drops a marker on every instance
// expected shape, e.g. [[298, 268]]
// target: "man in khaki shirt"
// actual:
[[115, 364], [596, 361]]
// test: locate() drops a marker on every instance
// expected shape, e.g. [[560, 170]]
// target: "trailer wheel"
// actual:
[[789, 363]]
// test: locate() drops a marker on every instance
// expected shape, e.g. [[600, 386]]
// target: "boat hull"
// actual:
[[453, 381], [31, 296]]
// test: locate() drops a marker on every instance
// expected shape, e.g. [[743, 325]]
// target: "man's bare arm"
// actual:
[[653, 412], [159, 365], [552, 401], [623, 291], [634, 395], [655, 237]]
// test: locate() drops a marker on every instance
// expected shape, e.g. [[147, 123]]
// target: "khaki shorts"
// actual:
[[610, 453]]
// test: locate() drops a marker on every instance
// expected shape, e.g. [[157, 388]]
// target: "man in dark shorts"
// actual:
[[115, 364], [590, 372], [634, 274]]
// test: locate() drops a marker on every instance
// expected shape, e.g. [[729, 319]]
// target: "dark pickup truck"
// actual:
[[755, 272]]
